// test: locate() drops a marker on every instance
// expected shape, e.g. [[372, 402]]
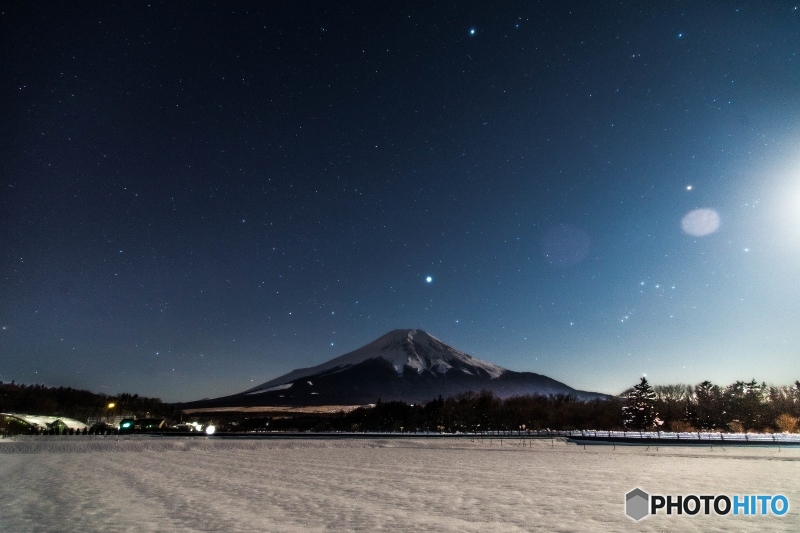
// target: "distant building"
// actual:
[[18, 423], [149, 424]]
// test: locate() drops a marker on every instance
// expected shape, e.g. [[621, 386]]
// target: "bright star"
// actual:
[[472, 31], [689, 187], [429, 279]]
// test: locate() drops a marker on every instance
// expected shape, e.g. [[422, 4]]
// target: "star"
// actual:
[[472, 31], [429, 279]]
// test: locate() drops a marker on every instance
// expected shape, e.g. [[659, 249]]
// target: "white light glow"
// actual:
[[700, 222]]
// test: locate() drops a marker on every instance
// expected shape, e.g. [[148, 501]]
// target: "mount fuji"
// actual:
[[408, 365]]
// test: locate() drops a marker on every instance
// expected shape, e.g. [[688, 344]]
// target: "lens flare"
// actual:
[[565, 246], [700, 222]]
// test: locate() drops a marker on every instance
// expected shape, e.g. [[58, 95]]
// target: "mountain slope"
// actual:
[[405, 364]]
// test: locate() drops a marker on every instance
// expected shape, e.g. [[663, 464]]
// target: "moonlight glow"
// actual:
[[220, 182]]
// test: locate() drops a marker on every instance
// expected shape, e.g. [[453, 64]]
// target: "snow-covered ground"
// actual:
[[141, 483]]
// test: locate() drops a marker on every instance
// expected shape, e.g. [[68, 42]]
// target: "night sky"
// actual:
[[198, 197]]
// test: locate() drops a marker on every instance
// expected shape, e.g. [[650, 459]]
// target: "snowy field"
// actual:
[[141, 483]]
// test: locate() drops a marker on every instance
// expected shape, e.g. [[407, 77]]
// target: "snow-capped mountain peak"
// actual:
[[412, 348], [421, 351], [406, 365]]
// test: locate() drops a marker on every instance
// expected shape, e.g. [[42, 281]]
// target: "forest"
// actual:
[[737, 408], [78, 404]]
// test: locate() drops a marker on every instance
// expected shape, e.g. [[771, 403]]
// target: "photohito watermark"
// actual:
[[639, 504]]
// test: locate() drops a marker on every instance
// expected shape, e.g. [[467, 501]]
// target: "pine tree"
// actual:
[[640, 413], [706, 411], [795, 390]]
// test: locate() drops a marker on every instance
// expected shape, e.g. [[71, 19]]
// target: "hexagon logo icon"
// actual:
[[637, 504]]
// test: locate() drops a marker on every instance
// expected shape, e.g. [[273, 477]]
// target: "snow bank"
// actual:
[[207, 484], [143, 443]]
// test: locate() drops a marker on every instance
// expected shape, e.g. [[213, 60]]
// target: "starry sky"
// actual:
[[197, 197]]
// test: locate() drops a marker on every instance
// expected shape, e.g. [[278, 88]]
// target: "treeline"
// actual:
[[78, 404], [739, 407], [483, 411], [466, 413]]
